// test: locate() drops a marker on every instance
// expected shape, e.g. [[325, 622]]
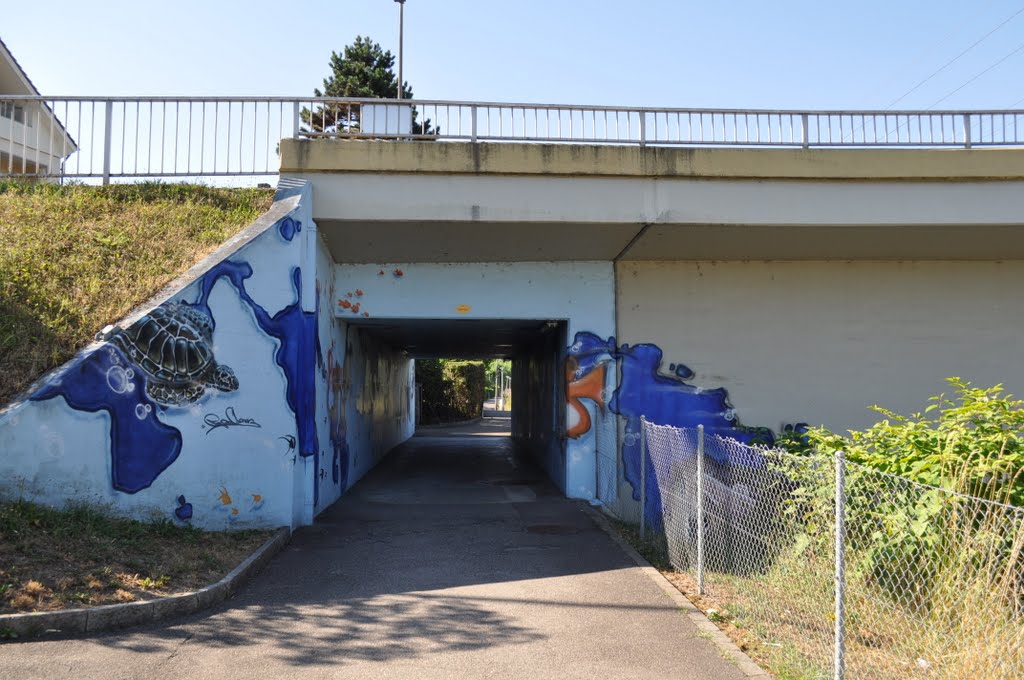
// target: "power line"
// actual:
[[954, 59], [919, 58], [978, 75]]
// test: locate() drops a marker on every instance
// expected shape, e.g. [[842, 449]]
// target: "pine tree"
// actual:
[[364, 69]]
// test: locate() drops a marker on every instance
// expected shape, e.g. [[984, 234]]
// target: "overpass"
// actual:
[[728, 284]]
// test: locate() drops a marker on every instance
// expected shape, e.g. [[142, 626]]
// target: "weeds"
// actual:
[[84, 556]]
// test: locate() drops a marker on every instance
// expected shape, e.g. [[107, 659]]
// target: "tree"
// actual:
[[364, 69]]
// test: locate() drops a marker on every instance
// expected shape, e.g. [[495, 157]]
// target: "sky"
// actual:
[[818, 54]]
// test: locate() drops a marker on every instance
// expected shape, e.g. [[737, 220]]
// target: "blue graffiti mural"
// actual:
[[297, 354], [666, 399], [134, 390], [288, 228], [184, 510], [141, 446]]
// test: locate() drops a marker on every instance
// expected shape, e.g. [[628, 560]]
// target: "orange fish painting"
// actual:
[[224, 496], [590, 386]]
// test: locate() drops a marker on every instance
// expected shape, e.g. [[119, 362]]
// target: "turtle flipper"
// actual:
[[174, 395]]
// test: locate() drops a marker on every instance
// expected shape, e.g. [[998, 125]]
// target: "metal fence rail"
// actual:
[[105, 137], [839, 570]]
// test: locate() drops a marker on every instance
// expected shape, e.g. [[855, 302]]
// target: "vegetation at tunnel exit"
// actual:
[[81, 556], [76, 258], [451, 390]]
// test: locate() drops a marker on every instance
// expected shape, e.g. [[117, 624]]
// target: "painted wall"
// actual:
[[581, 293], [201, 408]]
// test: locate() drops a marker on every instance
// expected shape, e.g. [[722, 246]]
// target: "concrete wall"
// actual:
[[580, 293], [818, 342], [539, 423]]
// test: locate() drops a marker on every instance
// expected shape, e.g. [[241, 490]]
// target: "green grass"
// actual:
[[76, 258], [85, 556]]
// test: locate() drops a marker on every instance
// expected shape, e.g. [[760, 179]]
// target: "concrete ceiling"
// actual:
[[362, 242], [352, 243], [875, 242], [457, 338]]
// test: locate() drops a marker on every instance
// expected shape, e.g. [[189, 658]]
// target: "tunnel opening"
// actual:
[[535, 421]]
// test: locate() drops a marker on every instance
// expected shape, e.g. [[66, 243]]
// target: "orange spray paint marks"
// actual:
[[345, 304], [590, 386], [355, 308], [398, 273], [366, 315], [359, 292]]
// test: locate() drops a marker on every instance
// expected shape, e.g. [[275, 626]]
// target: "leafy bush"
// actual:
[[929, 502], [452, 390], [972, 443]]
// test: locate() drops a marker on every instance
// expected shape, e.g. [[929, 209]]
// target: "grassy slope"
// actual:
[[76, 258]]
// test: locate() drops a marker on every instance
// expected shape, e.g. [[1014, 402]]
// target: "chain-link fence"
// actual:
[[830, 568]]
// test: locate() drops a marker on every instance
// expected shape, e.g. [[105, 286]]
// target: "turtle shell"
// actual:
[[171, 344]]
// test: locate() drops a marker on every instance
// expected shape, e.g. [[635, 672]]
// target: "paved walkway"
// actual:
[[454, 558]]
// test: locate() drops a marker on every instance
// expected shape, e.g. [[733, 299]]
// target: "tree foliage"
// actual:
[[363, 70]]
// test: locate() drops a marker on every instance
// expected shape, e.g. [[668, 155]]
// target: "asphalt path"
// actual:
[[453, 558]]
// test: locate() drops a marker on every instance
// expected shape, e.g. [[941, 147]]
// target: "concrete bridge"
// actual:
[[740, 288]]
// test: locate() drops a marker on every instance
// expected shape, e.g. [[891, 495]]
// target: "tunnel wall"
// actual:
[[235, 444], [580, 293], [539, 424]]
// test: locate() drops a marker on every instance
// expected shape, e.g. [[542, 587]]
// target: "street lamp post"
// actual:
[[401, 31]]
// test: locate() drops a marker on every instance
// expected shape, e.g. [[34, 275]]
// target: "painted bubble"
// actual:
[[117, 379], [141, 412], [130, 373]]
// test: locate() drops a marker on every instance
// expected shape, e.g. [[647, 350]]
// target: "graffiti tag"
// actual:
[[213, 421]]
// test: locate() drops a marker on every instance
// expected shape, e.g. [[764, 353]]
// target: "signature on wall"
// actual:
[[214, 421]]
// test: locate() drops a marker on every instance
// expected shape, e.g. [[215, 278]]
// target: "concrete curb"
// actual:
[[111, 616], [708, 629]]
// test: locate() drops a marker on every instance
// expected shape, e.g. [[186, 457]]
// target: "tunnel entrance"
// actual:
[[536, 347]]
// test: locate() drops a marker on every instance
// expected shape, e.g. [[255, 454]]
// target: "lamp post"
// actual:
[[401, 31]]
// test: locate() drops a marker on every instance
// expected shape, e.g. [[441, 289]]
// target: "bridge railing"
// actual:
[[136, 137]]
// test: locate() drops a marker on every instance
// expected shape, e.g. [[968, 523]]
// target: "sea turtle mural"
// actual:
[[173, 346]]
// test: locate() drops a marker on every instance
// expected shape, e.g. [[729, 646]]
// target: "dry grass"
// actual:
[[967, 622], [81, 557], [76, 258]]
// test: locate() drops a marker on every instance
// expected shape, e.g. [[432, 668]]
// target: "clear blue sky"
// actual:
[[783, 54]]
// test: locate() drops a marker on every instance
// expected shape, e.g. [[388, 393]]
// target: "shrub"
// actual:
[[452, 390]]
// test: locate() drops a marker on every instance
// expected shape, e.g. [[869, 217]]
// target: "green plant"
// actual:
[[972, 443], [148, 583]]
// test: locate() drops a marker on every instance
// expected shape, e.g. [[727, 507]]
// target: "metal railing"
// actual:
[[113, 137], [828, 568]]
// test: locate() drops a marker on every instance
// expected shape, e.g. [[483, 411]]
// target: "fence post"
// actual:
[[805, 133], [296, 119], [840, 574], [700, 509], [643, 127], [472, 120], [108, 127], [967, 131], [643, 477]]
